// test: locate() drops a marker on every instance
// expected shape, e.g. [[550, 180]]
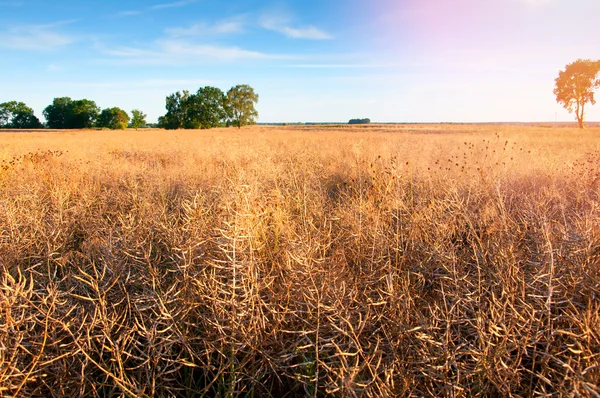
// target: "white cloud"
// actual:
[[35, 37], [180, 52], [228, 26], [309, 32], [128, 13], [281, 23], [183, 49], [175, 4]]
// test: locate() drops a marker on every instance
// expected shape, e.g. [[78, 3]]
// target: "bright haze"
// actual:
[[309, 60]]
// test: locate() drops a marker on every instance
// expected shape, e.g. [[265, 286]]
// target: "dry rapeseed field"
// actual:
[[441, 260]]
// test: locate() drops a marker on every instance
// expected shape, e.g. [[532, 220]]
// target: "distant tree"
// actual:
[[240, 105], [84, 114], [58, 113], [360, 121], [64, 113], [575, 86], [113, 118], [176, 116], [206, 108], [162, 122], [138, 119], [17, 115]]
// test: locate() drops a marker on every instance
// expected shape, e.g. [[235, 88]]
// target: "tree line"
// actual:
[[65, 113], [360, 121], [208, 107]]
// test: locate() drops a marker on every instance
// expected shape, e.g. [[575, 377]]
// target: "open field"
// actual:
[[301, 261]]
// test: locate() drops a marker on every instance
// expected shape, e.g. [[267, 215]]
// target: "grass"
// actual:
[[301, 261]]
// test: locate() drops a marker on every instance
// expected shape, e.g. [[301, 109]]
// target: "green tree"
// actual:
[[113, 118], [84, 114], [176, 116], [206, 108], [64, 113], [575, 86], [138, 119], [360, 121], [17, 115], [58, 113], [240, 105]]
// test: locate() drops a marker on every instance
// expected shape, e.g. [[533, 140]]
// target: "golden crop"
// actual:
[[288, 261]]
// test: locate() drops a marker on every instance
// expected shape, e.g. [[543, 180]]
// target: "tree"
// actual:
[[138, 119], [58, 113], [176, 116], [84, 114], [206, 108], [17, 115], [240, 105], [113, 118], [64, 113], [360, 121], [575, 86]]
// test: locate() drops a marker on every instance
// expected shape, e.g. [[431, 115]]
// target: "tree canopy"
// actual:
[[206, 108], [576, 85], [64, 113], [138, 119], [209, 107], [360, 121], [17, 115], [176, 105], [113, 118], [241, 101]]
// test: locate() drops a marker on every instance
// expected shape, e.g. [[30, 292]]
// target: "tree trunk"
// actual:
[[579, 114]]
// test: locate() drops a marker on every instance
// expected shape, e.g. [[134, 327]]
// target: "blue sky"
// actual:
[[326, 60]]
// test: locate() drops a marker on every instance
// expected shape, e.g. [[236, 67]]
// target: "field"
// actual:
[[441, 260]]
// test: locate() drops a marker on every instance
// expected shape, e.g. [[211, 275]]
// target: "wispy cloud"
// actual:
[[228, 26], [181, 52], [308, 32], [175, 4], [129, 13], [35, 37], [280, 22], [182, 49], [161, 6]]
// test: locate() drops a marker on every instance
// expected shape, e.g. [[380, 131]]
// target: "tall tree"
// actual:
[[176, 116], [64, 113], [84, 114], [113, 118], [58, 113], [17, 115], [241, 100], [206, 108], [576, 85], [138, 119]]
